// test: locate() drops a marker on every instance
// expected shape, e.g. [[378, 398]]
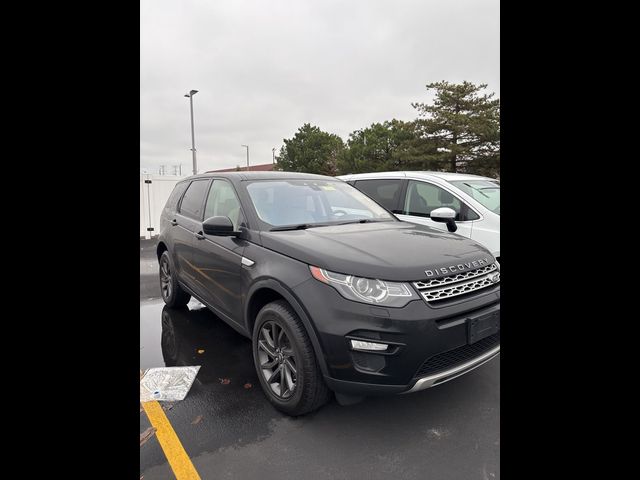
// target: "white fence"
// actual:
[[154, 192]]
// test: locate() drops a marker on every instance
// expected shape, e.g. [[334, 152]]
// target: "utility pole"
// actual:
[[193, 139], [273, 155], [247, 147]]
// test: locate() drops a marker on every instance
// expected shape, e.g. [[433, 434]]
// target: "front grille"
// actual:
[[435, 282], [457, 356], [458, 284]]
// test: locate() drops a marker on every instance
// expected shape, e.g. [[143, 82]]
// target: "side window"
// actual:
[[422, 198], [191, 205], [385, 192], [178, 190], [222, 201]]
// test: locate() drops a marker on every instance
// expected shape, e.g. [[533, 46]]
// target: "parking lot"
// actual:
[[230, 430]]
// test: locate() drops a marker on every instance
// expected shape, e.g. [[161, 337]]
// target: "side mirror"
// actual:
[[445, 215], [219, 226]]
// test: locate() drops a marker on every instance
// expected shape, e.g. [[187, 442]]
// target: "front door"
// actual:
[[424, 197], [217, 259]]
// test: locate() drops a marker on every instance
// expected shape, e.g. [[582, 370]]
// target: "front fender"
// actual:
[[290, 297]]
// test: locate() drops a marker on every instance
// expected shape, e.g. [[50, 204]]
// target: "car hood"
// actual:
[[397, 251]]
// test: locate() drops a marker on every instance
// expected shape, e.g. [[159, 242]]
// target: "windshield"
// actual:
[[312, 203], [487, 192]]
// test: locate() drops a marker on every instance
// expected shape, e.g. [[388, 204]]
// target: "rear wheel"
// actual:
[[171, 291], [285, 361]]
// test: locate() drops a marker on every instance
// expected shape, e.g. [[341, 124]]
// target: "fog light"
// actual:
[[368, 346]]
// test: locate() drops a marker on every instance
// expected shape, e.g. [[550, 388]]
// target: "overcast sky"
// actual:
[[264, 68]]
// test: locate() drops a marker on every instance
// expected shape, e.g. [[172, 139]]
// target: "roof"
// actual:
[[274, 175], [425, 174], [265, 167], [449, 175]]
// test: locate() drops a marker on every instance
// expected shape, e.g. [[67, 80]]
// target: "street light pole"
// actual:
[[247, 147], [193, 137]]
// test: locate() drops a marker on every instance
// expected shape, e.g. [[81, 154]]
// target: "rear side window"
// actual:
[[193, 200], [385, 192], [178, 190]]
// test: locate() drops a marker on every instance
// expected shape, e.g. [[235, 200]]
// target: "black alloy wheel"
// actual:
[[165, 277], [171, 291], [277, 360], [286, 362]]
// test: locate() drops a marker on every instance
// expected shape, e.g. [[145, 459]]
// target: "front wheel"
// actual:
[[171, 291], [285, 361]]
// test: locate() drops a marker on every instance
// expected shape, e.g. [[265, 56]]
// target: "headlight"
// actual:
[[358, 289]]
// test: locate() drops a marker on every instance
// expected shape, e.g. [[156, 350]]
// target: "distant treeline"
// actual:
[[458, 132]]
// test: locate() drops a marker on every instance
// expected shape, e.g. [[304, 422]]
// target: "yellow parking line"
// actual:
[[180, 462]]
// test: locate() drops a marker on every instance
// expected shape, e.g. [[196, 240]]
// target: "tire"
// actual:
[[293, 355], [172, 293]]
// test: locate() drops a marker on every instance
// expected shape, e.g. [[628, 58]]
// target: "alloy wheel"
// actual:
[[277, 360], [165, 278]]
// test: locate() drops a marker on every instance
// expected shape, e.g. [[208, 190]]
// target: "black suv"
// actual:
[[335, 292]]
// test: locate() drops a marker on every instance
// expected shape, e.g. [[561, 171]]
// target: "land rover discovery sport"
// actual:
[[335, 293]]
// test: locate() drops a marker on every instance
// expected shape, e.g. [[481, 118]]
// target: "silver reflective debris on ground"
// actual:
[[167, 383]]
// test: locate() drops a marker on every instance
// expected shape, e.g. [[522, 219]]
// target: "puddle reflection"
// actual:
[[194, 336]]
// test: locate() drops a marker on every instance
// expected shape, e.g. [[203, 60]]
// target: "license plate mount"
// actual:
[[482, 326]]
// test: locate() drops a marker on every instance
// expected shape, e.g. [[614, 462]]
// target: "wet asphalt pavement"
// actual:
[[448, 432]]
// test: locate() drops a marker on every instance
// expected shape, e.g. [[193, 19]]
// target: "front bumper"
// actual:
[[417, 332], [454, 372]]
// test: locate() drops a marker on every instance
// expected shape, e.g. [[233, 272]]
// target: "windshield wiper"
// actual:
[[362, 220], [302, 226]]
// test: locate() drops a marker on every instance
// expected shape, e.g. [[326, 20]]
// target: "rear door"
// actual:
[[168, 215], [387, 192], [187, 222]]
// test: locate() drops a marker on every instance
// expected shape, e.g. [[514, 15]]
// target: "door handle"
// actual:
[[199, 236], [174, 222]]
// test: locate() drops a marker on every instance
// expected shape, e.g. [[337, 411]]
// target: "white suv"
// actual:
[[412, 196]]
